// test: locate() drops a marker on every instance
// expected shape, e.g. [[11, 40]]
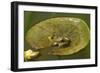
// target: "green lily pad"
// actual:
[[63, 35]]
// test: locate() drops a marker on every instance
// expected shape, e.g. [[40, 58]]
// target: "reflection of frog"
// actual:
[[59, 41]]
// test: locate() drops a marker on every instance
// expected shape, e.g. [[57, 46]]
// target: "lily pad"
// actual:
[[63, 35]]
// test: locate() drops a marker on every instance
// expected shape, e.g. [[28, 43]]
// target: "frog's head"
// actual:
[[59, 41]]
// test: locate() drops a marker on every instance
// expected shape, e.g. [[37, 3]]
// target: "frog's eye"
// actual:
[[52, 38]]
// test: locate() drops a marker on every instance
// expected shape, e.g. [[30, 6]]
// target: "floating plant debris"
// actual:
[[29, 54]]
